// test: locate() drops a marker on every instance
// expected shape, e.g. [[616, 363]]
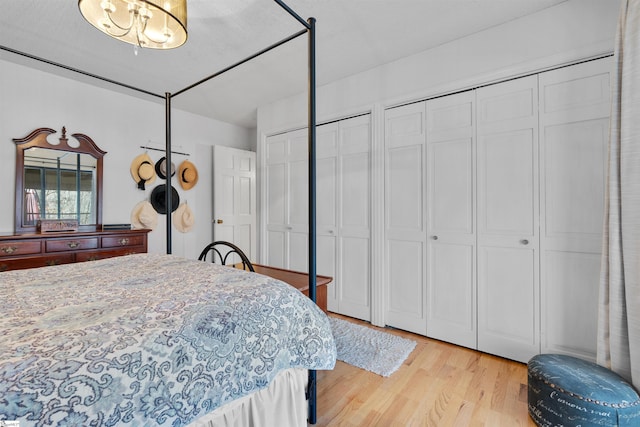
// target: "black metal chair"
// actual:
[[217, 253]]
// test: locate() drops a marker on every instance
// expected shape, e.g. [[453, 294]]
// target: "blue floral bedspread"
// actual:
[[147, 340]]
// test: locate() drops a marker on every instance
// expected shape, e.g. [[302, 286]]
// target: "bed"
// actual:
[[150, 339]]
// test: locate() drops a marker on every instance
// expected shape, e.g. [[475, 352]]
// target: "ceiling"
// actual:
[[352, 36]]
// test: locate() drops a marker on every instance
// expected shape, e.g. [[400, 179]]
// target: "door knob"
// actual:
[[524, 241], [217, 221], [434, 237]]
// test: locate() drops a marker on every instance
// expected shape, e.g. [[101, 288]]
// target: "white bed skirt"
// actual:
[[281, 404]]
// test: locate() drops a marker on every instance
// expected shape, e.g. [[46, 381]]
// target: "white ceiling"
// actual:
[[352, 36]]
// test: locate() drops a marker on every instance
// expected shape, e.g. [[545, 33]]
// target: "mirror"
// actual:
[[58, 181]]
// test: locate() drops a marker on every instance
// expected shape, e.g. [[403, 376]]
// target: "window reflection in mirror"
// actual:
[[58, 181], [59, 185]]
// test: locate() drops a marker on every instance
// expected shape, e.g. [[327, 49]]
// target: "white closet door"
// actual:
[[287, 202], [508, 220], [298, 209], [327, 202], [276, 148], [451, 244], [574, 125], [354, 216], [405, 218]]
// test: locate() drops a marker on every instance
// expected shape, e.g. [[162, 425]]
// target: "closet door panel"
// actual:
[[356, 194], [507, 321], [405, 193], [451, 282], [277, 189], [452, 296], [508, 219], [276, 199], [297, 227], [276, 256], [451, 187], [570, 304], [327, 176], [326, 230], [574, 170], [286, 200], [405, 217], [574, 126], [508, 176], [355, 278], [298, 251], [407, 293], [354, 216], [298, 194]]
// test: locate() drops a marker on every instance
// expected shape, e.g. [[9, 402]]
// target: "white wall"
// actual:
[[570, 31], [119, 124]]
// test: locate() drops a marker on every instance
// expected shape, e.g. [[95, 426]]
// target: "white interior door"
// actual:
[[327, 209], [574, 126], [234, 198], [354, 217], [451, 243], [508, 219], [276, 200], [405, 218], [286, 200], [343, 160], [298, 200]]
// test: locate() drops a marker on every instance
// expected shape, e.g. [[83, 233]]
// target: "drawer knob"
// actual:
[[524, 242], [73, 245], [123, 241], [9, 249], [434, 237]]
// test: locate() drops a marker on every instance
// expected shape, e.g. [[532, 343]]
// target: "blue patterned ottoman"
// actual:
[[566, 391]]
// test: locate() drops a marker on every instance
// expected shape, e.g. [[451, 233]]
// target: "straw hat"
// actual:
[[161, 168], [187, 175], [159, 199], [144, 216], [183, 218], [142, 170]]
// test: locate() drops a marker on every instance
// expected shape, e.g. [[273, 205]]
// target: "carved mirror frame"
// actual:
[[38, 138]]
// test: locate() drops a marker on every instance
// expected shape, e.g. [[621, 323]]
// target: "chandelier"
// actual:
[[155, 24]]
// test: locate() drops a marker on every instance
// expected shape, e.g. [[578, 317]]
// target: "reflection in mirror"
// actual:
[[58, 180], [59, 185]]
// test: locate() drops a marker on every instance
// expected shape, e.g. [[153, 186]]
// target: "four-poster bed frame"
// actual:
[[309, 28]]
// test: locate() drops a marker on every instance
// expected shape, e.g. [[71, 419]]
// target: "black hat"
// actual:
[[159, 199], [161, 168]]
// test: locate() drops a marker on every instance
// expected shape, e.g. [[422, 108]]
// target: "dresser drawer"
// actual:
[[8, 249], [123, 240], [35, 261], [71, 244], [96, 255]]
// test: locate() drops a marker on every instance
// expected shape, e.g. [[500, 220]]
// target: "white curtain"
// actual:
[[619, 306]]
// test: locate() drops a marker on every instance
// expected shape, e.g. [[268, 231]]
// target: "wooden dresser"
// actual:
[[18, 251]]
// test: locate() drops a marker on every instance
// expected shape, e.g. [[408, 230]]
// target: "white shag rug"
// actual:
[[366, 348]]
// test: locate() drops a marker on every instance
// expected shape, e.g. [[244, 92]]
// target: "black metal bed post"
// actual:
[[167, 197], [312, 198]]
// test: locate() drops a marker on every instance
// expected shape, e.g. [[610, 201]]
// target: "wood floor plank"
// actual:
[[439, 385]]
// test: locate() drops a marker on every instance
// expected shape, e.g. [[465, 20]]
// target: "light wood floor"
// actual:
[[440, 384]]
